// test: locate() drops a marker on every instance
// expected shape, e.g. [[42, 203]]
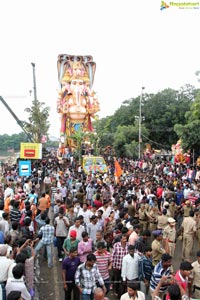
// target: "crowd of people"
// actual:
[[113, 236]]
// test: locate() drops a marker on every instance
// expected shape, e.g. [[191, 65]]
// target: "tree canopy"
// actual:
[[189, 132], [38, 124], [12, 142], [164, 115]]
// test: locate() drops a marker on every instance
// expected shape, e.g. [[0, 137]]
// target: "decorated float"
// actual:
[[179, 156]]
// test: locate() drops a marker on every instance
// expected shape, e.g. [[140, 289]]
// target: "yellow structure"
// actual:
[[31, 150], [94, 164]]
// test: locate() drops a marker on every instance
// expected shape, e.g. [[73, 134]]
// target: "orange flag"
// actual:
[[118, 169]]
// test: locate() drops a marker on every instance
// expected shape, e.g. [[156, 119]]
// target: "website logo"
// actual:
[[180, 5], [164, 5]]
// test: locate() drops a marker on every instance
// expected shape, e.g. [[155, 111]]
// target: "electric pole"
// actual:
[[140, 127], [34, 83]]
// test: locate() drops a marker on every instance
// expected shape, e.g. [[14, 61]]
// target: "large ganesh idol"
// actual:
[[77, 102], [178, 155]]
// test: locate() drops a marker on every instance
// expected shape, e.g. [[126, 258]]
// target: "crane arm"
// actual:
[[19, 122]]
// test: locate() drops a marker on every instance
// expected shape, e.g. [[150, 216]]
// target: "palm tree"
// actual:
[[78, 138], [38, 124]]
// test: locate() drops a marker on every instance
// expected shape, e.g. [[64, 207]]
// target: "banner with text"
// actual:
[[31, 150]]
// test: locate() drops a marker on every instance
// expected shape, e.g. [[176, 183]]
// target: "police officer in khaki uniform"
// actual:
[[166, 206], [147, 206], [196, 277], [153, 218], [162, 219], [186, 209], [169, 236], [172, 208], [197, 219], [189, 229], [157, 247], [142, 217]]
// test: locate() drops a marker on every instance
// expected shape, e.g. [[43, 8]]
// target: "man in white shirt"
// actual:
[[1, 210], [90, 191], [134, 235], [14, 295], [116, 211], [8, 193], [77, 208], [4, 224], [130, 265], [61, 224], [47, 182], [27, 187], [17, 283], [63, 191], [78, 184], [5, 264], [78, 228], [133, 292], [105, 209], [186, 191], [93, 227], [58, 195], [86, 213]]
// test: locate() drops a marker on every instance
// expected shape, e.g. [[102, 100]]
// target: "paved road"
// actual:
[[50, 281]]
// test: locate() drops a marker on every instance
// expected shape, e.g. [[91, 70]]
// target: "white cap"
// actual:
[[171, 220]]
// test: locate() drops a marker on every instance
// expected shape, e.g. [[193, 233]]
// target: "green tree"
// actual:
[[194, 112], [78, 137], [12, 141], [126, 114], [38, 124], [131, 149], [104, 132], [189, 133], [163, 110], [126, 140], [197, 73]]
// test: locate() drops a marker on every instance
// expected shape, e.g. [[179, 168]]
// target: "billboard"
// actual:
[[31, 150]]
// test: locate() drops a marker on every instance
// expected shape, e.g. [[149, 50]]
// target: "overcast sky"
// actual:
[[133, 43]]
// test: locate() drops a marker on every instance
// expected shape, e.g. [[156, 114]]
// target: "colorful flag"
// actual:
[[118, 169]]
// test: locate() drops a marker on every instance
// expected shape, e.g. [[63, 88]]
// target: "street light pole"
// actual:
[[34, 83], [140, 127]]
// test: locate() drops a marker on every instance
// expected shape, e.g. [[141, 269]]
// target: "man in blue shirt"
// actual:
[[179, 196], [87, 276], [69, 267], [1, 237], [160, 270], [46, 234], [40, 220], [145, 269]]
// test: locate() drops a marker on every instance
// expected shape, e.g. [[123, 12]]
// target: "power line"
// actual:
[[15, 96], [157, 129], [163, 146]]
